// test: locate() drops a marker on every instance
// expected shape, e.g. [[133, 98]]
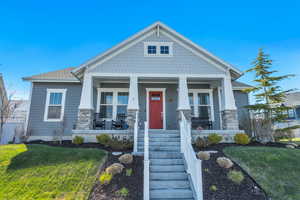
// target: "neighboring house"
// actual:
[[292, 100], [153, 75]]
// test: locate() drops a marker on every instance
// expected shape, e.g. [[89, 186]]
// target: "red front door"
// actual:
[[156, 110]]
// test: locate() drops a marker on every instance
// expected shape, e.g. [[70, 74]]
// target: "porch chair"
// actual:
[[204, 123], [99, 123], [120, 123]]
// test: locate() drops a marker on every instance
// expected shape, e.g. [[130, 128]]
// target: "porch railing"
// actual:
[[146, 163], [135, 134], [194, 167]]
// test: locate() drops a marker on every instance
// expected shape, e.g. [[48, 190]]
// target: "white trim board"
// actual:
[[163, 90]]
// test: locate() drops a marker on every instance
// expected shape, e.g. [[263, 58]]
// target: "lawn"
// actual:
[[275, 169], [44, 172]]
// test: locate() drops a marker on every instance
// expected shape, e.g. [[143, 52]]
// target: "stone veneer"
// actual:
[[230, 120], [131, 118], [85, 119]]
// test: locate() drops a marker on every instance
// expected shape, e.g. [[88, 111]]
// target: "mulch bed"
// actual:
[[213, 174], [133, 183], [68, 143]]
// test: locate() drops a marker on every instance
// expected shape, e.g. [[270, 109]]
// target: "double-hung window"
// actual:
[[112, 102], [55, 105], [201, 102]]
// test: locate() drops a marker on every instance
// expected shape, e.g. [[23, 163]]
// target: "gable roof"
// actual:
[[158, 27], [63, 75]]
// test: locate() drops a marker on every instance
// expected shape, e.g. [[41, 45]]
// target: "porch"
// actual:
[[121, 104]]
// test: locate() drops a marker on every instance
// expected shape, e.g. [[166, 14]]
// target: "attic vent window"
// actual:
[[158, 49]]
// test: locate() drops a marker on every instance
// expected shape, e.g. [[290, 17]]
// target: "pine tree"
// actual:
[[269, 97]]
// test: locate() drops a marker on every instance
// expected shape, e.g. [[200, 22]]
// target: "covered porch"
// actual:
[[118, 103]]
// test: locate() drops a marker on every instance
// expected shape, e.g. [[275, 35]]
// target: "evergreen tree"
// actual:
[[269, 96]]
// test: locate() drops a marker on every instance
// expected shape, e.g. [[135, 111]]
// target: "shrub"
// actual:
[[78, 140], [126, 158], [201, 142], [120, 145], [224, 162], [241, 138], [214, 138], [235, 176], [124, 192], [203, 155], [213, 188], [128, 172], [103, 139], [105, 178], [114, 169]]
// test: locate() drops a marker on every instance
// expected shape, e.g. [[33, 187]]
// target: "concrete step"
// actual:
[[162, 148], [160, 131], [162, 135], [176, 139], [162, 143], [168, 155], [166, 162], [167, 168], [171, 194], [170, 184], [168, 176]]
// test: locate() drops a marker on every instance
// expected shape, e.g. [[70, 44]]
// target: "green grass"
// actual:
[[43, 172], [277, 170]]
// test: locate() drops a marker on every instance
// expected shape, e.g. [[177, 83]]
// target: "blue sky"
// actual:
[[37, 37]]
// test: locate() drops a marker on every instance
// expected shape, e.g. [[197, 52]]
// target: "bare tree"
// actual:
[[7, 108], [58, 133]]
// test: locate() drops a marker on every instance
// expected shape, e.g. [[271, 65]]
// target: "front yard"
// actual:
[[44, 172], [275, 169]]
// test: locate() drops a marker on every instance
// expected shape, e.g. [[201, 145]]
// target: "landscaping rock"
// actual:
[[126, 158], [290, 146], [114, 169], [224, 162], [203, 155], [116, 153]]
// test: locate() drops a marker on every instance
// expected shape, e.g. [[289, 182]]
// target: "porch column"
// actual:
[[229, 113], [133, 102], [183, 97], [86, 108]]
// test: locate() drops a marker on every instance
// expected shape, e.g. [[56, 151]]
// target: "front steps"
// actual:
[[168, 178]]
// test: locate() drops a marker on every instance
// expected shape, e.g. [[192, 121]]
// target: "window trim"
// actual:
[[63, 100], [196, 103], [114, 104], [158, 45]]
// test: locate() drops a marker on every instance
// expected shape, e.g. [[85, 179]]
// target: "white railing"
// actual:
[[135, 133], [194, 167], [146, 163]]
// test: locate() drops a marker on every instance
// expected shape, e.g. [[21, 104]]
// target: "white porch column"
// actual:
[[133, 99], [183, 97], [86, 108], [229, 113]]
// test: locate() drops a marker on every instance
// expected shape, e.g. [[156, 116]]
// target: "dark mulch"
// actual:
[[68, 143], [133, 183], [213, 174]]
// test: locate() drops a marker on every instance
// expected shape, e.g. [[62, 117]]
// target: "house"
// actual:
[[152, 75], [156, 84], [293, 115]]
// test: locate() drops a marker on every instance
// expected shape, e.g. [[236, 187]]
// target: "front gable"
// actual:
[[129, 56], [135, 60]]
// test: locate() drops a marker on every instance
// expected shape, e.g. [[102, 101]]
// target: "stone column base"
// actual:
[[85, 119], [230, 120], [131, 118], [186, 113]]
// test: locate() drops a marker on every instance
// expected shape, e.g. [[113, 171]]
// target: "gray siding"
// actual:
[[36, 125], [241, 100], [133, 60]]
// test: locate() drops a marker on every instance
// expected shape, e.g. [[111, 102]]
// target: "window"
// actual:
[[151, 49], [112, 103], [163, 49], [201, 102], [55, 103]]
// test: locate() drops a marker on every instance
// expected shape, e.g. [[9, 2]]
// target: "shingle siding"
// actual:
[[36, 125], [133, 61]]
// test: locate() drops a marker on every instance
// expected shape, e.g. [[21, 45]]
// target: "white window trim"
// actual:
[[49, 91], [115, 100], [158, 44], [211, 101]]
